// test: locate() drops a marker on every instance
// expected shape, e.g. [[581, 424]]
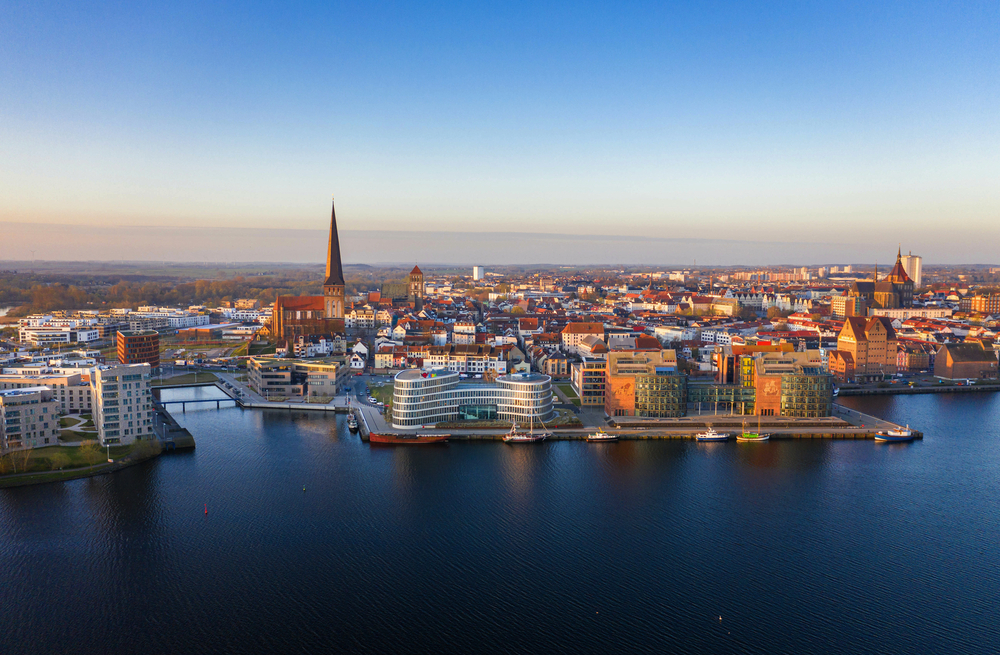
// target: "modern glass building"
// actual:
[[432, 395], [808, 394]]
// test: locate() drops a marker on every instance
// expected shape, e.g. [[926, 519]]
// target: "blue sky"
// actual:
[[777, 122]]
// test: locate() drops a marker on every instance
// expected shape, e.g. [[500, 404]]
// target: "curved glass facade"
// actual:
[[429, 396]]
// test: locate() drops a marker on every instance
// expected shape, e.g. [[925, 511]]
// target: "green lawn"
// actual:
[[53, 458], [383, 393]]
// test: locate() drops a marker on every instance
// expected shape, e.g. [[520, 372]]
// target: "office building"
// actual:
[[431, 395]]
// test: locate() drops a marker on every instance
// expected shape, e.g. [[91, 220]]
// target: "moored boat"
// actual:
[[711, 435], [601, 435], [750, 437], [352, 423], [522, 437], [897, 435], [407, 439]]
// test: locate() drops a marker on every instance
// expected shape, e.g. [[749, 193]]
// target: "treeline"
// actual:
[[35, 294]]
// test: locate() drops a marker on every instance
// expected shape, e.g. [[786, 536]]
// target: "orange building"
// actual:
[[139, 347], [872, 345], [620, 377]]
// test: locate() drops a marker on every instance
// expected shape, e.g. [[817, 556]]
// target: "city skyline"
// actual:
[[773, 123]]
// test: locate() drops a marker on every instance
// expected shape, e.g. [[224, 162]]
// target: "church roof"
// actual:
[[898, 273], [416, 271], [334, 269]]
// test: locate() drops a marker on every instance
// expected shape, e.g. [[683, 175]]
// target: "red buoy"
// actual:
[[206, 508]]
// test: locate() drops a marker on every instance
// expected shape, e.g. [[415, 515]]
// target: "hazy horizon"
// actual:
[[244, 245], [765, 122]]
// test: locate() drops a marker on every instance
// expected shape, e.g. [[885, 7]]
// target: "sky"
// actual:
[[765, 132]]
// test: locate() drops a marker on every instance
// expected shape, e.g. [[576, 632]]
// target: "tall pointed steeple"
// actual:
[[334, 269], [333, 286]]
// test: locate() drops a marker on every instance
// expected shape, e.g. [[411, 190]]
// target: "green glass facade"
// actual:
[[729, 398], [808, 395], [662, 395]]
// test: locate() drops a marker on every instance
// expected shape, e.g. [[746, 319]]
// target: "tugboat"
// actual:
[[898, 435], [601, 435], [406, 439], [711, 435]]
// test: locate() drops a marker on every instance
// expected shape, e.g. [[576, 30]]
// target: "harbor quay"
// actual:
[[845, 423]]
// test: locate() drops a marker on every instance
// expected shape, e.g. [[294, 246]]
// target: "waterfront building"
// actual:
[[621, 377], [29, 418], [792, 385], [587, 380], [273, 377], [123, 403], [139, 347], [871, 344], [707, 397], [314, 315], [427, 396], [71, 390], [968, 360]]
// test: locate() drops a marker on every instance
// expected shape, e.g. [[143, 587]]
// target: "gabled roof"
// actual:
[[416, 270]]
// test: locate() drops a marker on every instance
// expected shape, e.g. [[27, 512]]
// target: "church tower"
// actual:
[[416, 294], [333, 286]]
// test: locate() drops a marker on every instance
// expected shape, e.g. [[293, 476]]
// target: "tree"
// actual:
[[91, 452], [58, 460], [22, 457]]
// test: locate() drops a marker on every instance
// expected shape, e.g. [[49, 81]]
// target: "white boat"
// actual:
[[711, 435], [522, 437], [601, 435], [899, 434]]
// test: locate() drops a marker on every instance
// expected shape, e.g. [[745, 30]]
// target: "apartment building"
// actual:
[[273, 377], [123, 404], [29, 418], [70, 390]]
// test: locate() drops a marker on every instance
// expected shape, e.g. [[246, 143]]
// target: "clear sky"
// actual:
[[792, 122]]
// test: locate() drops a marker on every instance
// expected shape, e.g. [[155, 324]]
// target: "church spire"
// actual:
[[334, 270]]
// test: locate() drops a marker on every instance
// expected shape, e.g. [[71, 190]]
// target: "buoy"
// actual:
[[303, 488], [206, 508]]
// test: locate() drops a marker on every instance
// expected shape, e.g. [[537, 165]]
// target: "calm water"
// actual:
[[569, 547]]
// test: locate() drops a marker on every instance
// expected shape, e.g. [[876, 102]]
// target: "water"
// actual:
[[563, 547]]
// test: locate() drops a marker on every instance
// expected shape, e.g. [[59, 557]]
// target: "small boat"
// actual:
[[836, 391], [601, 435], [711, 435], [352, 423], [897, 435], [746, 437], [752, 436], [522, 437], [406, 439]]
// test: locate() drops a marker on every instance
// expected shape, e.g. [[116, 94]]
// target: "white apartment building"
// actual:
[[123, 404]]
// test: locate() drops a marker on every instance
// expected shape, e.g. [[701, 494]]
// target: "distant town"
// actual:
[[569, 347]]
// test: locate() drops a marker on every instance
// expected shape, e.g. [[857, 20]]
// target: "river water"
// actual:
[[562, 547]]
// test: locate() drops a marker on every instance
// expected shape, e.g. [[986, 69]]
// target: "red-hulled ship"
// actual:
[[406, 439]]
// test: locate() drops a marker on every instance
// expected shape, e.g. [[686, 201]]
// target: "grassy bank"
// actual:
[[64, 463]]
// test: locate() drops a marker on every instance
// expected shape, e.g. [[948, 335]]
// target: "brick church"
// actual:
[[296, 316]]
